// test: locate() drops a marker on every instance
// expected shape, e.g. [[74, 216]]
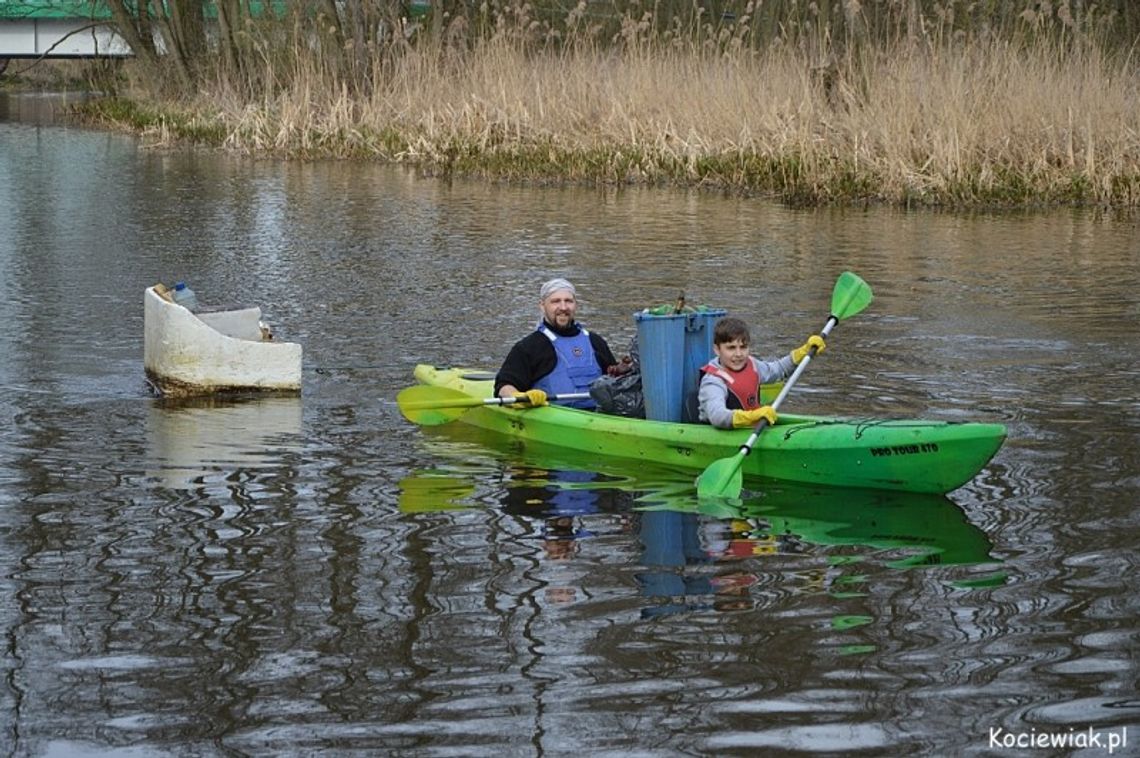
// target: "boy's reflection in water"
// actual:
[[675, 541]]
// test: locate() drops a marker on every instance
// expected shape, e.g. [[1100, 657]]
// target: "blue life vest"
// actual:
[[575, 368]]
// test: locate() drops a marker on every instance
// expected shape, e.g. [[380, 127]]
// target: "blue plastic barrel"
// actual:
[[661, 348], [672, 349], [698, 352]]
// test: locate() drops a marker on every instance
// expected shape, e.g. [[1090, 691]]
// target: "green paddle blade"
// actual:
[[722, 478], [850, 296], [431, 406]]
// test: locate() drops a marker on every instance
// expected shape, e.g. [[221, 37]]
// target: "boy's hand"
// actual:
[[742, 419], [801, 352]]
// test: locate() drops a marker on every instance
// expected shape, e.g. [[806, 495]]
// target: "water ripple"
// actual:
[[311, 575]]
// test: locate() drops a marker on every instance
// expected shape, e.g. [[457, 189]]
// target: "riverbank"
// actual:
[[23, 75], [977, 124]]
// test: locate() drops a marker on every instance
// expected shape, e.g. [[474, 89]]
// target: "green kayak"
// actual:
[[909, 455]]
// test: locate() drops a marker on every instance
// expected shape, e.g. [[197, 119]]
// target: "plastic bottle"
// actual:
[[185, 297]]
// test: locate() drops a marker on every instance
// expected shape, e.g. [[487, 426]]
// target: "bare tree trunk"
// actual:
[[154, 13], [138, 32], [358, 29], [228, 23], [188, 23], [138, 38], [331, 12]]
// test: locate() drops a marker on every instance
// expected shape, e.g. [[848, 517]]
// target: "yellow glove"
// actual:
[[801, 352], [741, 419], [534, 397]]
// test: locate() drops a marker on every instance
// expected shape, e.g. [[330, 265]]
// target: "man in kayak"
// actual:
[[729, 396], [559, 357]]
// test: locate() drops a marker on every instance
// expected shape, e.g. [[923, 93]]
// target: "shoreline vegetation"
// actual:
[[900, 102]]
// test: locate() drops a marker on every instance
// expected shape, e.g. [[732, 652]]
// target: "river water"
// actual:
[[286, 576]]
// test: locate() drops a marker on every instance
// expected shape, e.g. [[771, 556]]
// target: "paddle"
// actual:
[[723, 477], [428, 405]]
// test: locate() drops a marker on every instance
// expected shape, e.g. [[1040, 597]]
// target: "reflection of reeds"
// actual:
[[883, 99]]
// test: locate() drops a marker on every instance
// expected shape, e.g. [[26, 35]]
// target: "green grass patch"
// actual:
[[128, 114]]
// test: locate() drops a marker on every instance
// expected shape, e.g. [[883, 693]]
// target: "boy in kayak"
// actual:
[[559, 357], [729, 396]]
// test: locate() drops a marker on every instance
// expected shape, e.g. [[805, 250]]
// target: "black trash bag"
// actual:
[[621, 395]]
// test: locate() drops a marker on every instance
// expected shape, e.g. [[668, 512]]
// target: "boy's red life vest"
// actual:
[[743, 385]]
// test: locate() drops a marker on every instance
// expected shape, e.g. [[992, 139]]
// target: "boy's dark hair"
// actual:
[[729, 329]]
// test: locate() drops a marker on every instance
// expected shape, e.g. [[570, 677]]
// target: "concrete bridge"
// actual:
[[80, 28], [57, 29]]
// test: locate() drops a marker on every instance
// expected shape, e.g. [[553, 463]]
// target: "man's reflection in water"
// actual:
[[560, 537], [681, 552], [565, 506], [567, 511]]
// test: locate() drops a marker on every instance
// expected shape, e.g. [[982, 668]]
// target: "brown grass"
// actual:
[[924, 117]]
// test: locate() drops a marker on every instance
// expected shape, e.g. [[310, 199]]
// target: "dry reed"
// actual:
[[928, 117]]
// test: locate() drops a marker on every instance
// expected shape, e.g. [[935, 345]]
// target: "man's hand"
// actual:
[[534, 397], [621, 368]]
